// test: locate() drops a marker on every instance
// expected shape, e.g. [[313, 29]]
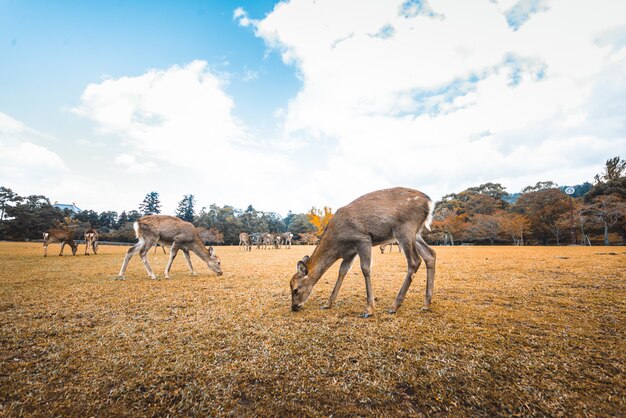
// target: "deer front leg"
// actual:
[[365, 254], [45, 249], [343, 270], [129, 254], [173, 252], [62, 245], [413, 264], [188, 258]]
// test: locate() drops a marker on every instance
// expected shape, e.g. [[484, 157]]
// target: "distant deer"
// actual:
[[277, 241], [267, 241], [391, 244], [286, 239], [58, 235], [159, 245], [379, 217], [169, 230], [91, 240], [245, 241]]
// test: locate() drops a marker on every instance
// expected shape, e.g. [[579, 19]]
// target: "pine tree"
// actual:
[[151, 204], [185, 210]]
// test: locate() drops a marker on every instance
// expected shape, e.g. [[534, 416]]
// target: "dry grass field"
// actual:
[[512, 331]]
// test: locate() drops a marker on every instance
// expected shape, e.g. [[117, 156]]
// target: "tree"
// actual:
[[613, 170], [151, 204], [90, 217], [542, 207], [611, 181], [484, 227], [450, 224], [107, 219], [31, 218], [540, 185], [7, 196], [185, 210], [320, 218], [608, 211], [515, 226], [300, 224]]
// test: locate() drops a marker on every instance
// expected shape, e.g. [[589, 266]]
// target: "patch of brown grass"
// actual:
[[512, 331]]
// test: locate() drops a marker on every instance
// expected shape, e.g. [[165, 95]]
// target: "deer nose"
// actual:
[[296, 308], [219, 273]]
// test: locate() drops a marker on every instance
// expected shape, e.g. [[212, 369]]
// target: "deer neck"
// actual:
[[323, 257]]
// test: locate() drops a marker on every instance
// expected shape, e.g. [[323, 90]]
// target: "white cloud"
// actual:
[[449, 94], [130, 164], [181, 118], [29, 167]]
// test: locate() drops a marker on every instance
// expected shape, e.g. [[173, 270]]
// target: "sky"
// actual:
[[293, 104]]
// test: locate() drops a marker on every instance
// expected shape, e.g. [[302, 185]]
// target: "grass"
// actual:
[[512, 331]]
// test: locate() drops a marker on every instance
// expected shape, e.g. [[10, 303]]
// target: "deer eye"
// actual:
[[295, 291]]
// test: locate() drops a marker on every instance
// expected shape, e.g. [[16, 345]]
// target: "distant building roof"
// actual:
[[70, 206]]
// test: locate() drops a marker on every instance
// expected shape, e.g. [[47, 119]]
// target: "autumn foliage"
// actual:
[[320, 218]]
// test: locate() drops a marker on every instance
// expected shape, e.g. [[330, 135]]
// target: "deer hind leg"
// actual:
[[188, 258], [365, 255], [430, 257], [94, 245], [129, 254], [173, 251], [45, 249], [413, 262], [346, 264]]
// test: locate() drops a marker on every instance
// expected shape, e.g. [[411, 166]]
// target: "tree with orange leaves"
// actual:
[[320, 218]]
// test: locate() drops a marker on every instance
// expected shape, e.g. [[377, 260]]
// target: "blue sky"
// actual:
[[52, 50], [300, 103]]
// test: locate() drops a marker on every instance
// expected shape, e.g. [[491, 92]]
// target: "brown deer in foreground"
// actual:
[[169, 230], [245, 241], [380, 217], [91, 240], [58, 235]]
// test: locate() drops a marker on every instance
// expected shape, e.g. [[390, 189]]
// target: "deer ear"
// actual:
[[211, 251], [302, 268]]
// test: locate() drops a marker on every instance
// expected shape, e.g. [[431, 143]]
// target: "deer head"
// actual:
[[301, 286], [214, 262]]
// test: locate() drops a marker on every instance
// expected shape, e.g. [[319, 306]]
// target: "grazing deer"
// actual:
[[58, 235], [379, 217], [287, 238], [245, 241], [91, 240], [267, 241], [169, 230]]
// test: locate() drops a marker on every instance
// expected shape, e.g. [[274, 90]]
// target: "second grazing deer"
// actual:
[[377, 218], [169, 230]]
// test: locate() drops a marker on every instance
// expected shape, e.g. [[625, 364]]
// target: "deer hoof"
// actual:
[[120, 278], [425, 308], [367, 315], [325, 307], [392, 311]]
